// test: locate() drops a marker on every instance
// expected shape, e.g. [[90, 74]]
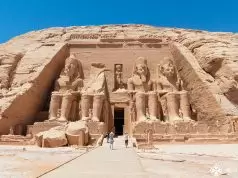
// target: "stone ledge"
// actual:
[[189, 138]]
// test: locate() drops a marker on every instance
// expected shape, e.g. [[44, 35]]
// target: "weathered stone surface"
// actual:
[[206, 62], [203, 91], [52, 138], [77, 133]]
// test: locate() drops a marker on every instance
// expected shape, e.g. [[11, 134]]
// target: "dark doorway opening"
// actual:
[[119, 120]]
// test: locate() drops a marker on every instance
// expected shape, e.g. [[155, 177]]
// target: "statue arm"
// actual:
[[78, 84], [130, 85], [57, 86], [159, 86], [152, 86], [179, 84]]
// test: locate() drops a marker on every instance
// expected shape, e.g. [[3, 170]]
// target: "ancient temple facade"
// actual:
[[130, 85], [135, 85]]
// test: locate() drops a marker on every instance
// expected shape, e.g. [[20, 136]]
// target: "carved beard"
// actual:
[[168, 74], [143, 78], [139, 79]]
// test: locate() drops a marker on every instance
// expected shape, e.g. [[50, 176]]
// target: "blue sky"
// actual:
[[20, 16]]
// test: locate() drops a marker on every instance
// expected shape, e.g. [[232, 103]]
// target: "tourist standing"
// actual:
[[126, 137], [111, 140], [107, 135]]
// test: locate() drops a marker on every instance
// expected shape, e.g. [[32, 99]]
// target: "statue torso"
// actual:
[[63, 84], [139, 84], [167, 85]]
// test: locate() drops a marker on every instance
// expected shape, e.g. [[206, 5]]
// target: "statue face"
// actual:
[[141, 69], [118, 68], [168, 69], [70, 69]]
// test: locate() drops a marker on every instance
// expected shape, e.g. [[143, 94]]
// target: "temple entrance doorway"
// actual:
[[119, 120]]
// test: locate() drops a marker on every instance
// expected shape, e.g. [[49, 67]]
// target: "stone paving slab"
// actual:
[[102, 163]]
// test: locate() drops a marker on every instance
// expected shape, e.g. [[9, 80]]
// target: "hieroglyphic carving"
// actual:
[[150, 36], [11, 130], [108, 35], [84, 36], [118, 80]]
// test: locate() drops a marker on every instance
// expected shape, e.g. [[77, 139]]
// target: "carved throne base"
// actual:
[[96, 128]]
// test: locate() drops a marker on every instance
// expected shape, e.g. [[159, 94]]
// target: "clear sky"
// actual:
[[20, 16]]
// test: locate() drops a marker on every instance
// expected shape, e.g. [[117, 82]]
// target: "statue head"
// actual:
[[141, 69], [167, 68], [118, 67], [73, 67]]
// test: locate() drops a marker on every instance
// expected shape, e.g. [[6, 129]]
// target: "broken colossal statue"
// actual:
[[146, 99], [93, 93], [64, 99], [170, 85]]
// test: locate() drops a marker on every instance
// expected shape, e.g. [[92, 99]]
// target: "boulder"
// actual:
[[77, 133], [51, 138], [38, 139]]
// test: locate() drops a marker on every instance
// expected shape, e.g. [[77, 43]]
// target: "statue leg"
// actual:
[[86, 104], [97, 106], [173, 106], [66, 107], [140, 106], [153, 105], [54, 105], [73, 116], [185, 106]]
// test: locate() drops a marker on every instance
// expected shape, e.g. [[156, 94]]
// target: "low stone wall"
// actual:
[[16, 140], [165, 128], [182, 132], [187, 139]]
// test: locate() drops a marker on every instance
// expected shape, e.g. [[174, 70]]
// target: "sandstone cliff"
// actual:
[[30, 63]]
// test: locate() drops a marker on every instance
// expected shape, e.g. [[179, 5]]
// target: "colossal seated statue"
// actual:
[[93, 94], [64, 98], [170, 85], [145, 95]]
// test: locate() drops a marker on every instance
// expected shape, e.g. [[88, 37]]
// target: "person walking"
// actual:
[[107, 135], [126, 137], [111, 140]]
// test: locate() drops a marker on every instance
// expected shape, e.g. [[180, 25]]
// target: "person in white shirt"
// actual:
[[111, 140]]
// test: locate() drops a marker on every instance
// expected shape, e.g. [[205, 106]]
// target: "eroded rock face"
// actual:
[[217, 54], [31, 63]]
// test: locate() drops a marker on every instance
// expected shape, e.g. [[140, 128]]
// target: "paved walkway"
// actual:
[[103, 163]]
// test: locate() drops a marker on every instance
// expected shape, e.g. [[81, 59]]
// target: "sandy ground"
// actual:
[[191, 161], [166, 161], [31, 161]]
